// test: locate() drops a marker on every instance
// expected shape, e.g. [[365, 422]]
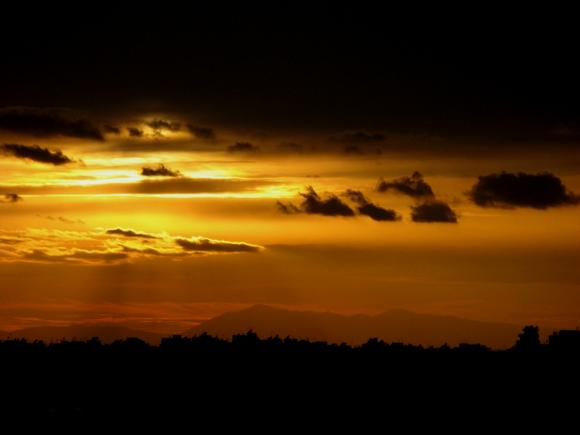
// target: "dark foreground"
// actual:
[[248, 380]]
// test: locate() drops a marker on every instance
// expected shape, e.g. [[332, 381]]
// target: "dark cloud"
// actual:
[[242, 147], [357, 137], [367, 208], [521, 190], [356, 196], [284, 68], [129, 233], [314, 204], [413, 186], [287, 208], [11, 198], [47, 123], [160, 125], [203, 133], [430, 209], [378, 213], [202, 244], [330, 206], [37, 154], [111, 129], [160, 171], [433, 211], [135, 132]]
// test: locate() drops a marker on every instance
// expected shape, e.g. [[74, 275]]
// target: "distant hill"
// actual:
[[107, 333], [391, 326]]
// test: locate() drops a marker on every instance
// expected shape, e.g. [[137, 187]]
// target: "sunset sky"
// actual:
[[159, 169]]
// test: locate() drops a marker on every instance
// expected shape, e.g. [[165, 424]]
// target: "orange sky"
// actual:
[[213, 239]]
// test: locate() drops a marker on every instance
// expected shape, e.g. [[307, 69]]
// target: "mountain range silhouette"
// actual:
[[391, 326]]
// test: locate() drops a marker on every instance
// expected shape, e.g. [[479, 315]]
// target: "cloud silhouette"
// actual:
[[36, 154], [47, 123], [413, 186], [201, 244], [111, 129], [333, 206], [367, 208], [433, 211], [135, 132], [357, 137], [242, 147], [287, 208], [160, 125], [330, 206], [539, 191], [356, 196], [203, 133], [378, 213], [160, 171], [11, 198], [130, 233]]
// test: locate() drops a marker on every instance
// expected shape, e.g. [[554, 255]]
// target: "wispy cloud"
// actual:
[[130, 233], [104, 247], [201, 244]]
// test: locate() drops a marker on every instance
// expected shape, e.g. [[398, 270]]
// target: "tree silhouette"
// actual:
[[529, 339]]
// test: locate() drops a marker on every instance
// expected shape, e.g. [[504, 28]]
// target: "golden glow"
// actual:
[[496, 264]]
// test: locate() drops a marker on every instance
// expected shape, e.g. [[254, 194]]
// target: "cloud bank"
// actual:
[[47, 123]]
